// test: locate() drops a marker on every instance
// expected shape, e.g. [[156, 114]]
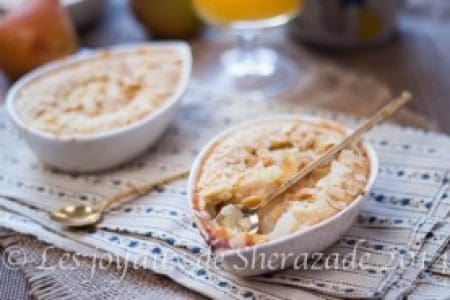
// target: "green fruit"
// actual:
[[167, 18]]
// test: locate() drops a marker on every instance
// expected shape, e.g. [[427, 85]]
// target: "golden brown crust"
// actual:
[[101, 93], [249, 163]]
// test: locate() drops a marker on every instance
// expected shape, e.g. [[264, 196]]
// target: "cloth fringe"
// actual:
[[42, 285], [8, 238]]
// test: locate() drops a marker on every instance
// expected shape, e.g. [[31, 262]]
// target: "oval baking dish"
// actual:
[[107, 148], [281, 251]]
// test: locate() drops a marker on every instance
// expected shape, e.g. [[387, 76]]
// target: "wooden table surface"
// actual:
[[417, 58]]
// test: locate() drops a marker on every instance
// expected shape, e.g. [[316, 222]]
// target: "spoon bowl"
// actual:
[[77, 216], [252, 216]]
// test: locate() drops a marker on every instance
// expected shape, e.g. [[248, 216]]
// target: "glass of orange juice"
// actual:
[[250, 69]]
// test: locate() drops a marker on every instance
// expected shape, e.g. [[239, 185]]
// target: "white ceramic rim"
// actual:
[[195, 169], [182, 47]]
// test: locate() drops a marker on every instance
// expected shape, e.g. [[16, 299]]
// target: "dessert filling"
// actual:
[[250, 163], [101, 93]]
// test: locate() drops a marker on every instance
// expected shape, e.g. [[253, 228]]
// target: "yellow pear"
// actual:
[[33, 33], [167, 18]]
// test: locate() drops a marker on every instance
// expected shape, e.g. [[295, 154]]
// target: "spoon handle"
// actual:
[[138, 190], [377, 118]]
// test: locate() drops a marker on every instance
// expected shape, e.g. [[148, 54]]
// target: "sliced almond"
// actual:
[[280, 144], [251, 201]]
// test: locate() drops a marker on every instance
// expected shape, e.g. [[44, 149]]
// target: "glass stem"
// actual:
[[249, 61], [247, 43]]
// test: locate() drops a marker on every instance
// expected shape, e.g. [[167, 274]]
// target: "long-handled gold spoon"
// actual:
[[86, 215], [252, 212]]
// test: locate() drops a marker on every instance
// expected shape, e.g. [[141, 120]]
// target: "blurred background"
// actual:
[[401, 43]]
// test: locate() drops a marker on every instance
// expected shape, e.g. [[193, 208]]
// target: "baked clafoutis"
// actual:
[[99, 109], [245, 165], [102, 93]]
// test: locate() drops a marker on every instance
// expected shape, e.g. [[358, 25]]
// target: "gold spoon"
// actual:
[[86, 215], [251, 212]]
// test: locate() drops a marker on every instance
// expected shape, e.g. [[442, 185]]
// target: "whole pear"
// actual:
[[35, 32], [167, 19]]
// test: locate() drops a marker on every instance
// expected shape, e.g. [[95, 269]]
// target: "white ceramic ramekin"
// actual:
[[107, 149], [286, 251]]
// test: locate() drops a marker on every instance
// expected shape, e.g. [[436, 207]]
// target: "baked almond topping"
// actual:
[[101, 93], [250, 163]]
